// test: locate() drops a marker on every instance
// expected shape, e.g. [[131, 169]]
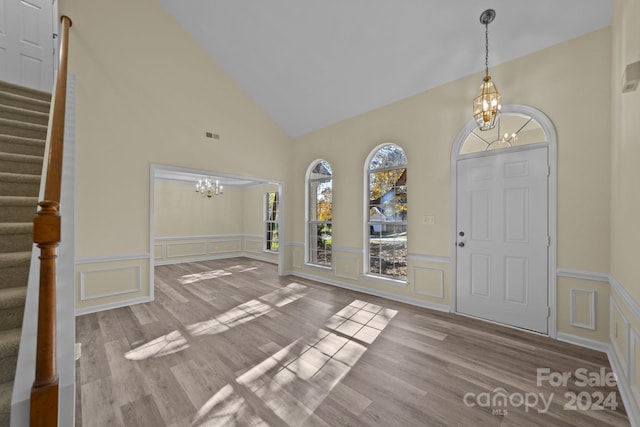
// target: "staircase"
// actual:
[[24, 115]]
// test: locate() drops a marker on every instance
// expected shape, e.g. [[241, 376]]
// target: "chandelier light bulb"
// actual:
[[207, 188]]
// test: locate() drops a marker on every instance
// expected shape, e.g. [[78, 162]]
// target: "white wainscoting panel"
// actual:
[[171, 250], [634, 364], [619, 331], [428, 282], [188, 249], [252, 245], [298, 256], [346, 266], [583, 301], [158, 251], [220, 246], [122, 280]]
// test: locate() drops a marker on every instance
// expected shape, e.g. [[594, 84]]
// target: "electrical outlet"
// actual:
[[429, 219]]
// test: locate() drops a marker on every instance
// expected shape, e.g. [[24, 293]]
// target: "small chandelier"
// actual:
[[486, 106], [206, 188]]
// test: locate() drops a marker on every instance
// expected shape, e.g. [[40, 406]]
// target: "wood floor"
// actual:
[[228, 342]]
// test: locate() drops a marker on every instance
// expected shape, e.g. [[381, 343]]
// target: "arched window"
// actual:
[[387, 218], [513, 129], [319, 213]]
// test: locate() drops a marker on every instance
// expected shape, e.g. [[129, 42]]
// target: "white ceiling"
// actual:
[[310, 64]]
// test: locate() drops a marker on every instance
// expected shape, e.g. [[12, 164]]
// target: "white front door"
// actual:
[[503, 238], [26, 43]]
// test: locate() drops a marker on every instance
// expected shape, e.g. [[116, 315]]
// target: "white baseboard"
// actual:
[[584, 342], [111, 306], [374, 292], [250, 255], [200, 258], [624, 389]]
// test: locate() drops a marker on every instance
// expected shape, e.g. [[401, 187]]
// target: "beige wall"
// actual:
[[563, 81], [625, 203], [146, 92], [625, 176], [179, 211]]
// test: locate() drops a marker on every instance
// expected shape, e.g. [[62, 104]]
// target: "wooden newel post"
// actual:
[[44, 393]]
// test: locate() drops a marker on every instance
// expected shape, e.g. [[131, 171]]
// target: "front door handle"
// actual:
[[461, 244]]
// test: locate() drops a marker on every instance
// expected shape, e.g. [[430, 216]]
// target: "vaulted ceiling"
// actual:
[[310, 64]]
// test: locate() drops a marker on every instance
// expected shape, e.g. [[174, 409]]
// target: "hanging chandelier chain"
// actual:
[[486, 49]]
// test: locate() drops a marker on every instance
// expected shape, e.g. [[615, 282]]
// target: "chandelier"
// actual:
[[206, 188], [486, 105]]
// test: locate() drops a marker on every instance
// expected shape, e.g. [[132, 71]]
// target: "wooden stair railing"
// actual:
[[46, 234]]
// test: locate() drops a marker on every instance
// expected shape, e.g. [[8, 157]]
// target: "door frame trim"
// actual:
[[550, 132]]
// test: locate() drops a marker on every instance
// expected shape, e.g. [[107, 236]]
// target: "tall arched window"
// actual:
[[319, 213], [387, 219]]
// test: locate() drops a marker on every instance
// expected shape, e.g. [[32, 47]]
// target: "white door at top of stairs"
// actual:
[[27, 43]]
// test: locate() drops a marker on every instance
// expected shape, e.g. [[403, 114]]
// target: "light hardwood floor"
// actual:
[[228, 342]]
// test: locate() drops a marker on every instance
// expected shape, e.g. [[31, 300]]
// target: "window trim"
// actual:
[[366, 266], [307, 222], [266, 221]]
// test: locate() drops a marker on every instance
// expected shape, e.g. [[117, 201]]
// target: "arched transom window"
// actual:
[[512, 130], [387, 220]]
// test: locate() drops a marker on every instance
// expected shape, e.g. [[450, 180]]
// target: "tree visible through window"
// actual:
[[320, 214], [271, 222], [387, 224]]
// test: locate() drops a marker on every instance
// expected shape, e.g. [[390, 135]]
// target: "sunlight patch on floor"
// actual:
[[320, 361], [171, 343], [240, 268], [248, 311], [174, 342], [205, 275]]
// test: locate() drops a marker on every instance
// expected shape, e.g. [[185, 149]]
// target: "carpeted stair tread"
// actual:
[[19, 177], [21, 101], [9, 342], [25, 91], [9, 347], [17, 208], [16, 184], [14, 269], [15, 228], [21, 163], [23, 115], [6, 201], [12, 302], [24, 129], [16, 236], [6, 390], [24, 158], [20, 145], [12, 297], [14, 259]]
